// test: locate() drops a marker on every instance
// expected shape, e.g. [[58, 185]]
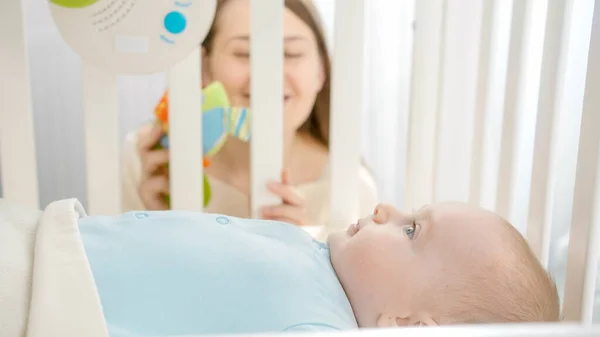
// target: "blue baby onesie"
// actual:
[[184, 273]]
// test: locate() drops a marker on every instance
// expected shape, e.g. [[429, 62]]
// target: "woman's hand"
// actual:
[[154, 184], [292, 210]]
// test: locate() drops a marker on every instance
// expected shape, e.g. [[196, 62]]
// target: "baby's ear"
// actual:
[[420, 320], [423, 319]]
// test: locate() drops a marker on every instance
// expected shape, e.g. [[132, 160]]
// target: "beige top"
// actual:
[[225, 199]]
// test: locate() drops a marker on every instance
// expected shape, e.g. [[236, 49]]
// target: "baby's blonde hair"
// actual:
[[510, 289]]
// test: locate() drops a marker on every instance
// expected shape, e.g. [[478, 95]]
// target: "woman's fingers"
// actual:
[[155, 182], [285, 190], [286, 213], [148, 136], [153, 161], [292, 210], [153, 190], [287, 193]]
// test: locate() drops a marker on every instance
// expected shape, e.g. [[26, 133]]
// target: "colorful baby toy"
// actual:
[[219, 121]]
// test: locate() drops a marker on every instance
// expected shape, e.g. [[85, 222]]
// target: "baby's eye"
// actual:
[[410, 230]]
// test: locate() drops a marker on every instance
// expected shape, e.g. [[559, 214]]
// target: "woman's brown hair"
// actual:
[[317, 124]]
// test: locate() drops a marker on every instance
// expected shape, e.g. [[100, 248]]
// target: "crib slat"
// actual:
[[521, 99], [539, 222], [17, 132], [461, 50], [473, 330], [484, 77], [492, 104], [515, 73], [101, 125], [405, 27], [347, 104], [582, 262], [424, 101], [555, 78], [185, 134], [266, 49]]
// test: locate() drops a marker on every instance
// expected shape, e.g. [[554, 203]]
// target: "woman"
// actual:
[[304, 188]]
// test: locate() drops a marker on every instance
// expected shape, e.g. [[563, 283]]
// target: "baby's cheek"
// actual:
[[373, 260]]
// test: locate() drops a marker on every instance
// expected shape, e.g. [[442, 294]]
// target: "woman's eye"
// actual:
[[242, 55], [410, 230], [293, 55]]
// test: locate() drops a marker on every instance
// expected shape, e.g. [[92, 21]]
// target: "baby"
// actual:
[[184, 273], [447, 263]]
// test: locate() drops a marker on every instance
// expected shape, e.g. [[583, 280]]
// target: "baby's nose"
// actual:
[[384, 213]]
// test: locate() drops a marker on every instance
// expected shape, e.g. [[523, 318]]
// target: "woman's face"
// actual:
[[229, 62]]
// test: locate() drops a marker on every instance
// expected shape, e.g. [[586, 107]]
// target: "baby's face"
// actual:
[[395, 266]]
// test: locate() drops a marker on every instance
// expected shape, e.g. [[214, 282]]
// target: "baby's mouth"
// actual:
[[353, 229]]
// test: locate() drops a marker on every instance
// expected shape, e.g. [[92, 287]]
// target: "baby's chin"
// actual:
[[340, 241], [337, 239], [341, 236]]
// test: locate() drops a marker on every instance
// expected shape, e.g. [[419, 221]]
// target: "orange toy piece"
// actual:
[[162, 115], [162, 111]]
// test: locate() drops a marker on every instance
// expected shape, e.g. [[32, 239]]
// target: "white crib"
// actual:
[[476, 81]]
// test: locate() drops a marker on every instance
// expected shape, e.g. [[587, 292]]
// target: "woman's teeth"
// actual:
[[285, 98]]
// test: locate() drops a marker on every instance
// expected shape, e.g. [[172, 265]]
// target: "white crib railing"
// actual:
[[347, 103], [494, 330], [184, 103], [582, 263], [483, 73], [553, 63], [17, 133], [101, 125], [267, 90]]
